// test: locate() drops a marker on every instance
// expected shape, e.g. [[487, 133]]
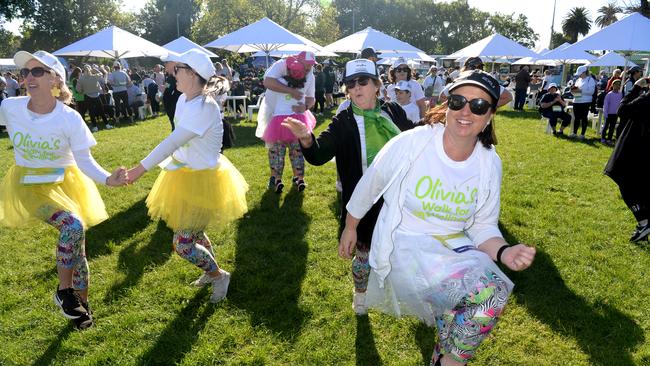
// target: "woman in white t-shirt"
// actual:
[[51, 178], [278, 138], [437, 236], [198, 186], [402, 72]]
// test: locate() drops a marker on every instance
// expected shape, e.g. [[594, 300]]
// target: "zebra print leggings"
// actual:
[[462, 329]]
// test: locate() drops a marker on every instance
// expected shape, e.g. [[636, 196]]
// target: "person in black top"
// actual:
[[377, 122], [170, 94], [552, 107]]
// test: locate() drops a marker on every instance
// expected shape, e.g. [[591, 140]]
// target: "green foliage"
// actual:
[[13, 9], [607, 15], [638, 6], [10, 43], [558, 39], [165, 20], [582, 303], [515, 28], [577, 22]]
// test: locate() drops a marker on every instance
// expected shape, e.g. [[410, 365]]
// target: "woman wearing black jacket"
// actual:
[[354, 137], [628, 164]]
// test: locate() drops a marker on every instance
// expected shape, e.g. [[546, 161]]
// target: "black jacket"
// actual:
[[629, 158], [341, 140]]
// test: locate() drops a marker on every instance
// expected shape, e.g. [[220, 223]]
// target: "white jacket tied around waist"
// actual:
[[390, 170]]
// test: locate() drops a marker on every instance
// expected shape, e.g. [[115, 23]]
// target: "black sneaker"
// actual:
[[275, 185], [300, 183], [85, 321], [69, 303], [640, 233]]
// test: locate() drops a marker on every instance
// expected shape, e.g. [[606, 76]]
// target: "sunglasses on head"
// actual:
[[37, 72], [477, 106], [362, 81], [178, 67], [402, 69]]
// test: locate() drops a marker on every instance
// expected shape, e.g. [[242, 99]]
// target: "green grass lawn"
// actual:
[[581, 303]]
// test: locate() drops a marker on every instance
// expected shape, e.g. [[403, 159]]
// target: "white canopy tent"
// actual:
[[417, 56], [612, 59], [495, 46], [566, 54], [115, 43], [182, 44], [628, 35], [370, 37]]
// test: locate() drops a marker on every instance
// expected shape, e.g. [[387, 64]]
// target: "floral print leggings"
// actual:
[[71, 247], [462, 329], [276, 159], [196, 248], [361, 267]]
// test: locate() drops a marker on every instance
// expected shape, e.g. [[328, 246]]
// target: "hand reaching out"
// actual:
[[518, 257], [296, 94], [299, 108], [135, 173], [118, 178]]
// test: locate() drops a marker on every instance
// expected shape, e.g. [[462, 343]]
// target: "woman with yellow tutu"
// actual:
[[51, 178], [198, 186]]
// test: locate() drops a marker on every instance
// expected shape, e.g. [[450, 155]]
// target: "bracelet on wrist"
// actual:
[[500, 252]]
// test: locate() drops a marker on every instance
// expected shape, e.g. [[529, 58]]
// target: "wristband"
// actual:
[[500, 252]]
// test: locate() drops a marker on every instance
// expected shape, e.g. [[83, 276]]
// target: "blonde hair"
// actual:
[[65, 95]]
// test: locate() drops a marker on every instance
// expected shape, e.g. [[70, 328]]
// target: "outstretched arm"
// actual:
[[94, 171]]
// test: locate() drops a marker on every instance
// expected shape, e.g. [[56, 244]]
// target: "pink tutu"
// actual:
[[275, 132]]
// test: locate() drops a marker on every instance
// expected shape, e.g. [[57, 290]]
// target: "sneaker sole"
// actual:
[[642, 236], [59, 303]]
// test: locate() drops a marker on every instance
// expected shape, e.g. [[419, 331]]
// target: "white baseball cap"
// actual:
[[552, 85], [196, 59], [399, 61], [360, 67], [580, 70], [403, 85], [21, 58]]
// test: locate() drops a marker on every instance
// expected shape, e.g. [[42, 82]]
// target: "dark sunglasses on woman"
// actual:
[[477, 106], [37, 72], [178, 67], [362, 81], [402, 69]]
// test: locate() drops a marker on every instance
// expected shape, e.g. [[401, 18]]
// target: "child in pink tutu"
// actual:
[[277, 137]]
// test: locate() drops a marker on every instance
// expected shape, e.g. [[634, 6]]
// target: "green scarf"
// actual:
[[379, 130]]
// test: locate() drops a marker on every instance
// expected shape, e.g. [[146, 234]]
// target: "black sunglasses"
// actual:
[[362, 81], [477, 106], [178, 67], [37, 72], [402, 69]]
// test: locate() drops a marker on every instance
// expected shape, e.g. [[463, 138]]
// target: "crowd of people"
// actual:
[[415, 156]]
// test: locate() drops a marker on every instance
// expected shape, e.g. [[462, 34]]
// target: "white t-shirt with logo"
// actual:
[[284, 102], [441, 193], [416, 91], [204, 119], [44, 141], [279, 70]]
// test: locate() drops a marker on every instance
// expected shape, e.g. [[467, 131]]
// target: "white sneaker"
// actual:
[[94, 129], [109, 127], [220, 286], [359, 303], [203, 280]]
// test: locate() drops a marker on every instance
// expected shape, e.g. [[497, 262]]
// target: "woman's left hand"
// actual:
[[518, 257]]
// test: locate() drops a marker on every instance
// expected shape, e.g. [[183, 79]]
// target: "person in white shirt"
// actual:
[[401, 71], [51, 179], [291, 91], [198, 186], [437, 238], [433, 85], [583, 91], [403, 95]]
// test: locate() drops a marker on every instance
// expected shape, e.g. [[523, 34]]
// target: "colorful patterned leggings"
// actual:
[[361, 267], [276, 159], [462, 329], [195, 247], [71, 248]]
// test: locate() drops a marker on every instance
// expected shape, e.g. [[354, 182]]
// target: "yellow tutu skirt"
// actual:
[[189, 199], [24, 205]]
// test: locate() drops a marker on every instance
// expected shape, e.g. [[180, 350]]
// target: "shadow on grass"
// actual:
[[134, 260], [117, 228], [270, 264], [179, 336], [364, 344], [50, 353], [245, 135], [425, 338], [602, 332]]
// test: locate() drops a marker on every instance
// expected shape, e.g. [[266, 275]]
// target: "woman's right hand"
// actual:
[[347, 243]]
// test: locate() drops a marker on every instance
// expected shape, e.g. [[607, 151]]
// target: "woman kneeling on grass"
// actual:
[[198, 186], [52, 149], [437, 236]]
